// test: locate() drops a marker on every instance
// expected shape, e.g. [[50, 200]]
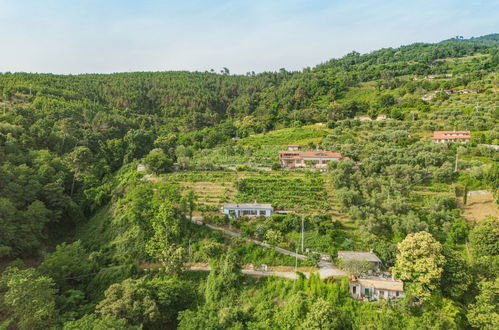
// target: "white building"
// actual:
[[376, 288], [247, 210]]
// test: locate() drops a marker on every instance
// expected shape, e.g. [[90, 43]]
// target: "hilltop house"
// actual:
[[292, 158], [382, 117], [376, 288], [247, 210], [361, 256], [451, 136]]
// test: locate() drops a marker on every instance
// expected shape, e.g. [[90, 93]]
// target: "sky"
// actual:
[[104, 36]]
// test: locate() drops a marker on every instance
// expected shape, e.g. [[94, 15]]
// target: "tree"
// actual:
[[167, 143], [321, 315], [131, 301], [224, 277], [386, 100], [484, 237], [419, 264], [68, 265], [456, 277], [79, 161], [356, 267], [93, 322], [29, 297], [292, 314], [164, 244], [188, 203], [138, 142], [483, 314], [158, 162]]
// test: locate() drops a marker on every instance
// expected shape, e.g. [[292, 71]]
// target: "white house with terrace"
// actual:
[[376, 288], [233, 210]]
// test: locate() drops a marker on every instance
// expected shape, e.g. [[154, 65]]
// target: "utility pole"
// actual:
[[302, 231], [296, 260], [189, 250]]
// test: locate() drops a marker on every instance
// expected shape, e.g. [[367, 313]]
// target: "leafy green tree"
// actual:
[[484, 313], [224, 278], [439, 313], [68, 265], [94, 322], [322, 315], [158, 162], [484, 237], [292, 314], [79, 161], [456, 277], [188, 203], [419, 264], [29, 298], [356, 267], [386, 100], [138, 142], [130, 301], [167, 143], [164, 244]]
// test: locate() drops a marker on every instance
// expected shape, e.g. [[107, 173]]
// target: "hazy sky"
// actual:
[[76, 36]]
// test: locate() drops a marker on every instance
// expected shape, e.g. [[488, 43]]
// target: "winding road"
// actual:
[[326, 269]]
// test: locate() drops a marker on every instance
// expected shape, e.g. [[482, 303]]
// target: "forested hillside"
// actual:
[[89, 242]]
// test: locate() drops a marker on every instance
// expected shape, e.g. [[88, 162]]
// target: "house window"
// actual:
[[396, 294], [366, 291], [262, 212], [249, 212], [382, 294], [354, 290]]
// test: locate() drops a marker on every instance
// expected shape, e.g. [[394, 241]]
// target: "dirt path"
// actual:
[[479, 206], [326, 269]]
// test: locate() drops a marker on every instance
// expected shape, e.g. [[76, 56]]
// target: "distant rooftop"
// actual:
[[358, 255], [311, 154], [247, 206], [451, 134], [382, 284]]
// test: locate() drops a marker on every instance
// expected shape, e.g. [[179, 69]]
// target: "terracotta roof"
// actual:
[[312, 154], [382, 284], [451, 135], [356, 255]]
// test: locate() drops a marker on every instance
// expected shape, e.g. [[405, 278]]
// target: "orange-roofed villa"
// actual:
[[292, 158], [451, 136]]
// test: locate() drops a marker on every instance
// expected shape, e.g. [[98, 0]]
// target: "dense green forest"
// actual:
[[89, 242]]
